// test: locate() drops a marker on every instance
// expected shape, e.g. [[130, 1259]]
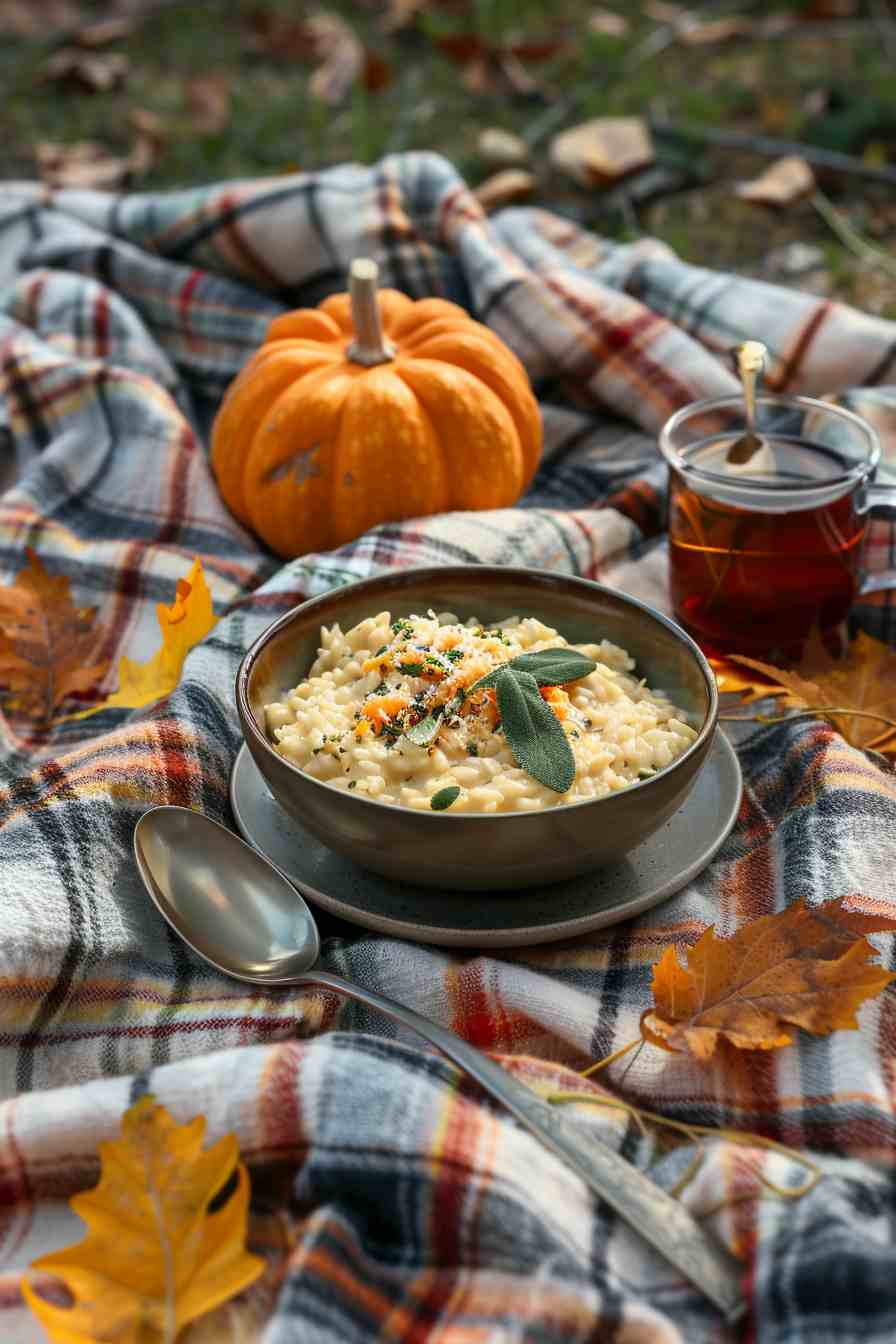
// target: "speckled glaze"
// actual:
[[481, 851]]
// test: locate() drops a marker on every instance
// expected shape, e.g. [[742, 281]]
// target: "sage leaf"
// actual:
[[533, 731], [549, 667], [424, 731], [444, 798]]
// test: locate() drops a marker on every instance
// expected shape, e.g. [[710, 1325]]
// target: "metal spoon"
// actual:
[[749, 359], [239, 912]]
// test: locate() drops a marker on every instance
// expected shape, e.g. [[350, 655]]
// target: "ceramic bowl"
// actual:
[[481, 851]]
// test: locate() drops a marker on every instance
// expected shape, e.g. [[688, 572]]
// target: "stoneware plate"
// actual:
[[658, 868]]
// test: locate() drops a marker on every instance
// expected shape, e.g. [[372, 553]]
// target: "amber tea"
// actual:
[[756, 569]]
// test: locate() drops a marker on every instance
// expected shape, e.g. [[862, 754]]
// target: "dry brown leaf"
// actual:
[[208, 98], [605, 23], [806, 966], [104, 31], [784, 182], [159, 1251], [25, 18], [85, 164], [93, 73], [716, 30], [498, 67], [863, 681], [47, 644], [513, 184], [502, 148], [603, 150], [325, 39], [401, 14], [662, 12], [339, 54]]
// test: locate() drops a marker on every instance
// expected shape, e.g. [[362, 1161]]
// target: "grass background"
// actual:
[[827, 82]]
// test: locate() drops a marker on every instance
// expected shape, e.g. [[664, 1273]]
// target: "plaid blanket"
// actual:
[[392, 1201]]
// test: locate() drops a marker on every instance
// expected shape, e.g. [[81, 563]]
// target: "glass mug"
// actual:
[[762, 553]]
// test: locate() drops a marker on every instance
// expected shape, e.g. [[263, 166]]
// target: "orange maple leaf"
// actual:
[[864, 681], [809, 966], [47, 644]]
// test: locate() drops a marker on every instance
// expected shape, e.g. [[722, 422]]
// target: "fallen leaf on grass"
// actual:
[[606, 23], [501, 148], [783, 183], [498, 67], [183, 625], [326, 40], [208, 99], [87, 164], [47, 644], [513, 184], [400, 14], [806, 966], [603, 150], [87, 70], [154, 1256], [24, 18], [863, 681], [716, 30], [104, 31]]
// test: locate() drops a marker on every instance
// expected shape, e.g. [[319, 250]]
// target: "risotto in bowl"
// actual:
[[476, 727]]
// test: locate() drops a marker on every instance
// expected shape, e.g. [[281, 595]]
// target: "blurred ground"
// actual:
[[183, 93]]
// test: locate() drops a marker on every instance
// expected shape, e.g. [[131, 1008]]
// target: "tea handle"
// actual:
[[880, 498]]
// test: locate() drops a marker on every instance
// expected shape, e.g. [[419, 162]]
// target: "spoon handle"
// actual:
[[659, 1218]]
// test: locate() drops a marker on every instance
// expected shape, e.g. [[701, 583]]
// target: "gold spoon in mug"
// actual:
[[749, 360], [243, 916]]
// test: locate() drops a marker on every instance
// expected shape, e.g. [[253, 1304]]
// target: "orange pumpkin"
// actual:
[[369, 409]]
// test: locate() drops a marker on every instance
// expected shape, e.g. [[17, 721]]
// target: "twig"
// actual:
[[769, 145], [813, 711], [850, 237]]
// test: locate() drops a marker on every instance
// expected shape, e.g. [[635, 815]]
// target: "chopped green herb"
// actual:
[[472, 749], [381, 651], [316, 751], [425, 730], [401, 627], [454, 655], [444, 798], [353, 783], [411, 669]]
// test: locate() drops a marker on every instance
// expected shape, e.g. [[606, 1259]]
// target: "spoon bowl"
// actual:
[[246, 921], [243, 916]]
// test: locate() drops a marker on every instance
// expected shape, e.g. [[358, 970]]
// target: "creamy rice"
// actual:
[[346, 723]]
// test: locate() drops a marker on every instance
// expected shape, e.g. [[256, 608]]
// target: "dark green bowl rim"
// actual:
[[423, 572]]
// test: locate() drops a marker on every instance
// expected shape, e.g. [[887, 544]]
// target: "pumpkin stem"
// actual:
[[369, 346]]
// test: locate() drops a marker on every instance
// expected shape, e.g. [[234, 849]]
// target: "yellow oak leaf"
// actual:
[[184, 624], [857, 692], [47, 644], [809, 966], [155, 1256]]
